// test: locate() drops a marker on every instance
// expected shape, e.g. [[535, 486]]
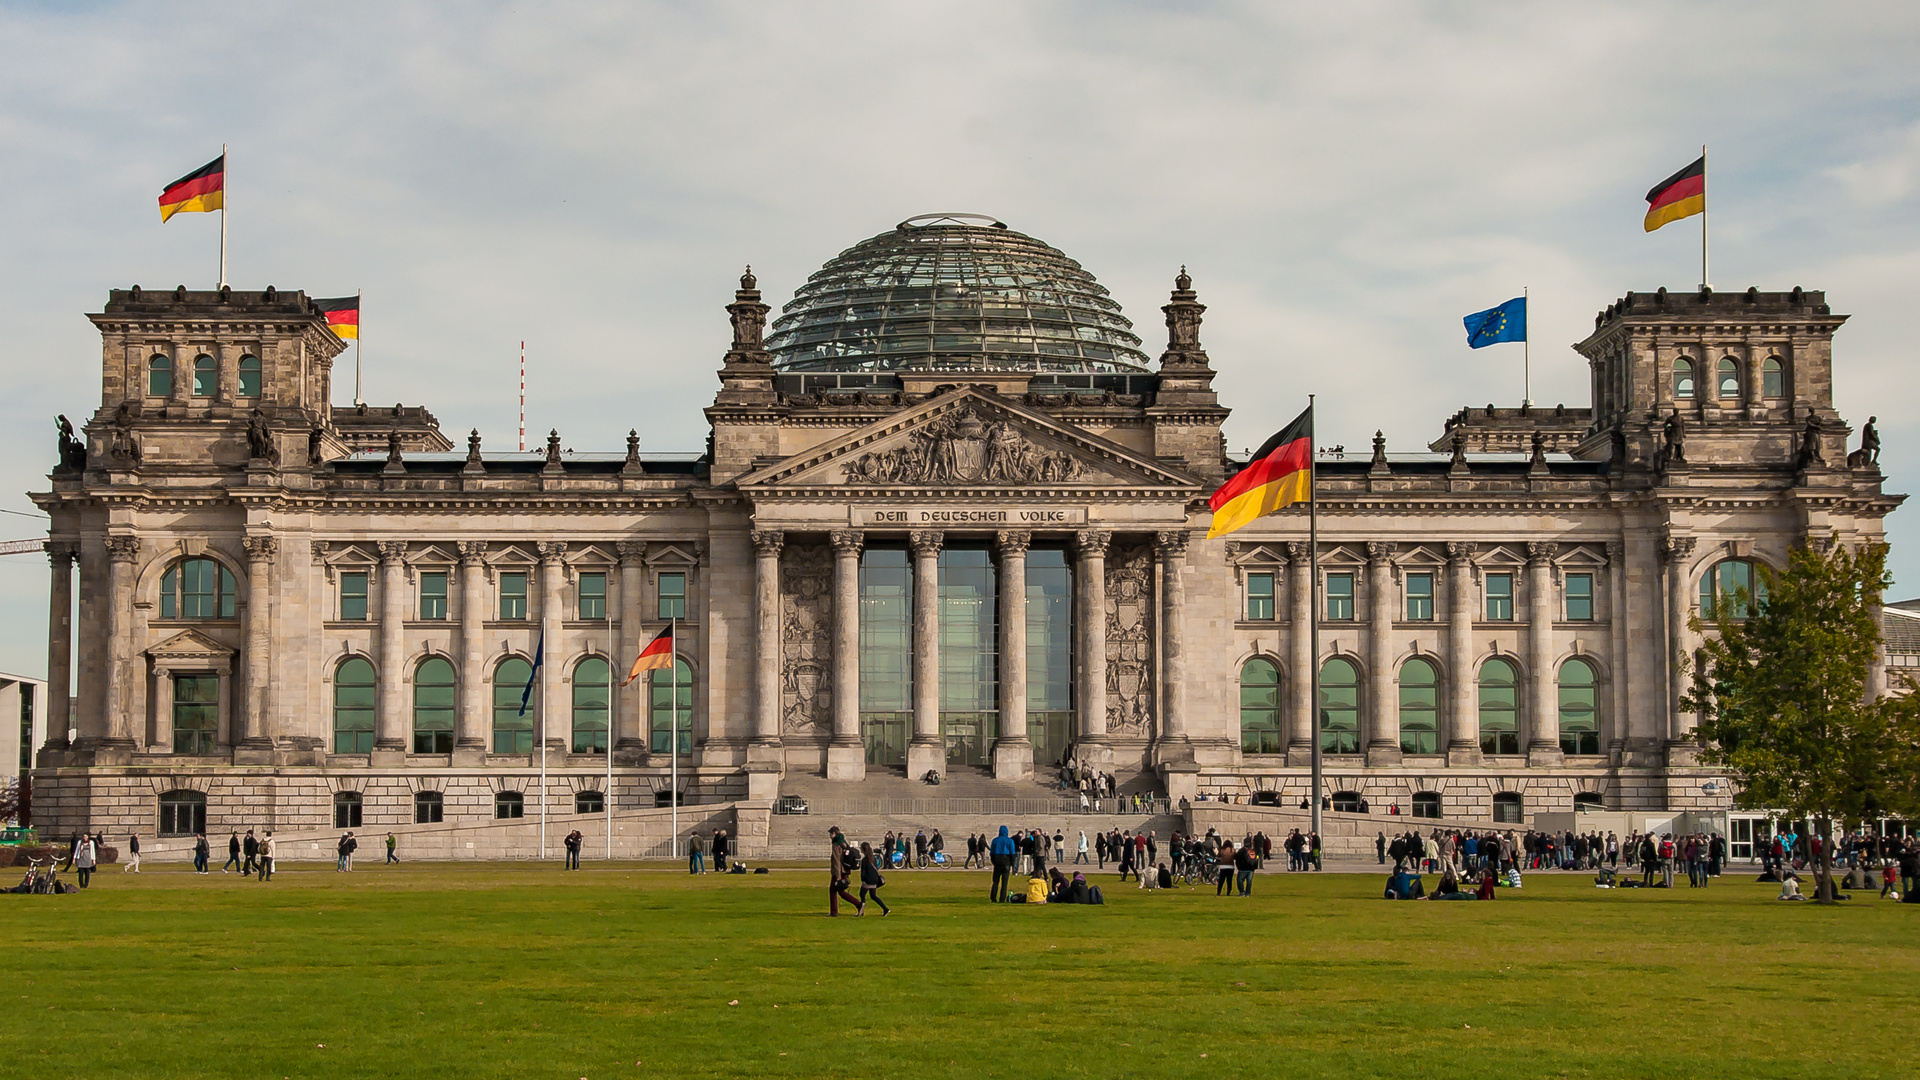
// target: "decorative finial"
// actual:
[[747, 281], [473, 445], [633, 444], [1183, 282], [553, 446]]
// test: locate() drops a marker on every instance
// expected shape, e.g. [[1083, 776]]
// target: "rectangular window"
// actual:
[[593, 596], [1579, 597], [353, 595], [1419, 597], [513, 595], [196, 713], [1500, 597], [1259, 596], [433, 595], [1339, 597], [673, 596]]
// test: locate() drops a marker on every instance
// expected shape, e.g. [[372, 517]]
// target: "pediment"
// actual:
[[189, 645], [968, 439]]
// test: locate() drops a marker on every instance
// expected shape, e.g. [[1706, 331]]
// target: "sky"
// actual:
[[1343, 181]]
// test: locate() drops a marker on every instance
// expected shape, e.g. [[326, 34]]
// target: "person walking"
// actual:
[[697, 854], [1001, 853], [1223, 877], [391, 844], [266, 857], [340, 853], [353, 845], [133, 854], [84, 854], [233, 852], [720, 851], [202, 853], [841, 861], [871, 879], [572, 844], [251, 848], [1244, 864]]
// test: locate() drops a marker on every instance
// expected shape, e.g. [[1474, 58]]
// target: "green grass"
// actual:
[[523, 971]]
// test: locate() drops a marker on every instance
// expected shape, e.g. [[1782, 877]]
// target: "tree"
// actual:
[[1783, 690]]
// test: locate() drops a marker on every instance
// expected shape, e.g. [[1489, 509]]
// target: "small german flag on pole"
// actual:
[[202, 190], [657, 656], [1280, 475], [343, 316], [1681, 195]]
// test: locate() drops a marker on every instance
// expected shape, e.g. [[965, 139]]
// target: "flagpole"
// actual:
[[543, 745], [226, 190], [359, 336], [1313, 608], [1703, 217], [1526, 354], [673, 729], [609, 734]]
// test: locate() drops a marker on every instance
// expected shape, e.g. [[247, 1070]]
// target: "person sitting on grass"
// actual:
[[1037, 889], [1404, 886], [1449, 887], [1488, 880], [1790, 886]]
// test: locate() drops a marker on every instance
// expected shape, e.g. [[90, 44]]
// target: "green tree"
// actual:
[[1783, 691]]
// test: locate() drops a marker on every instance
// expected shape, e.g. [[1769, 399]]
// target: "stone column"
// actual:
[[1091, 582], [1463, 715], [926, 750], [1383, 703], [116, 727], [163, 710], [1300, 717], [766, 581], [471, 734], [1617, 632], [251, 732], [1677, 550], [1174, 744], [390, 727], [628, 711], [1013, 751], [61, 554], [1543, 700], [551, 729], [846, 754]]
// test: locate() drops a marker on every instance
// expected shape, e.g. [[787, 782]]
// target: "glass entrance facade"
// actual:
[[886, 654], [1049, 655], [969, 656]]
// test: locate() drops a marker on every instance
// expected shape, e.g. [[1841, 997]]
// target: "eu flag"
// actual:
[[539, 655], [1508, 322]]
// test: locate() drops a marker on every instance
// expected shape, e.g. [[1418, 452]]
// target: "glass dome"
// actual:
[[954, 292]]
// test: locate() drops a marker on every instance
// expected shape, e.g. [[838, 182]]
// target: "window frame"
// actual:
[[1347, 580], [211, 371], [581, 596], [583, 797], [1492, 597], [670, 605], [600, 685], [1710, 591], [518, 612], [1515, 806], [1490, 738], [1570, 597], [171, 803], [249, 366], [1685, 386], [506, 698], [438, 739], [428, 597], [660, 714], [509, 806], [1585, 741], [429, 808], [1427, 804], [159, 366], [1725, 373], [1260, 605], [1413, 612], [198, 740], [1430, 708], [1262, 727], [1773, 379], [348, 597], [1322, 709], [362, 736], [173, 596], [349, 809]]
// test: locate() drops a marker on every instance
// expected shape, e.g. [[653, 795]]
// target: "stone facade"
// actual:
[[268, 619]]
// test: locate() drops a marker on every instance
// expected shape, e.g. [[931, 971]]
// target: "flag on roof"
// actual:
[[1681, 195], [343, 315], [201, 190], [1279, 475]]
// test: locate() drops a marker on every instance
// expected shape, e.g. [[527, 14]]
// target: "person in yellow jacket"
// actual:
[[1036, 889]]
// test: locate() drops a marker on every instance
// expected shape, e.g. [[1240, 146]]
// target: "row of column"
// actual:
[[926, 748]]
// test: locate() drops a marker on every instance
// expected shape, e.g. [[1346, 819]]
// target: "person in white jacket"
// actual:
[[84, 855], [1082, 856]]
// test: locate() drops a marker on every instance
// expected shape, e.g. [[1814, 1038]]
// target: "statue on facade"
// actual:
[[1538, 455], [73, 452], [1459, 446], [1810, 453], [316, 439], [124, 443], [260, 439], [393, 446], [1675, 451], [1870, 441]]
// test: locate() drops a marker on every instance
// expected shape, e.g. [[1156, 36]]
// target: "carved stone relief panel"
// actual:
[[1130, 629], [965, 448], [806, 638]]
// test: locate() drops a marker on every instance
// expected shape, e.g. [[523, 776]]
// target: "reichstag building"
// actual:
[[950, 517]]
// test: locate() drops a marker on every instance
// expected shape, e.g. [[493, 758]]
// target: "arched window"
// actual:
[[428, 808], [512, 729], [1683, 380], [1339, 707], [433, 707], [197, 589], [589, 802], [1589, 802], [664, 707], [1426, 804], [590, 692], [1260, 708], [1419, 708], [249, 376], [1499, 708], [353, 701], [205, 375], [1346, 802], [160, 376], [1509, 808], [1735, 583], [1728, 379], [1773, 378], [1579, 721], [182, 813], [346, 809], [509, 804]]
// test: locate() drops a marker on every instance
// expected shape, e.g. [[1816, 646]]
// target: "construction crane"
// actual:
[[23, 547]]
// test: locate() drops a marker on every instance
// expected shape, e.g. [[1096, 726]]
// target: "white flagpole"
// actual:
[[1313, 609], [359, 338], [543, 745], [1703, 216], [226, 192], [673, 729], [1526, 351], [608, 799]]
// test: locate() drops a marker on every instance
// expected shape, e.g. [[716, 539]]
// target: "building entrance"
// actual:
[[969, 738], [886, 739]]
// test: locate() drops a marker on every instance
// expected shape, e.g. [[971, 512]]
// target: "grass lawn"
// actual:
[[512, 970]]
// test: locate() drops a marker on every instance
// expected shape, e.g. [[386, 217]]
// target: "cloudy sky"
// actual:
[[1343, 180]]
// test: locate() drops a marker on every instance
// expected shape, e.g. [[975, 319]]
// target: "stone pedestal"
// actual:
[[1012, 759], [1299, 756], [766, 753], [846, 763], [1388, 756], [1173, 751], [252, 752], [1683, 755], [763, 783], [1094, 754], [469, 757], [1463, 757], [1181, 780], [1539, 755], [924, 755], [387, 758]]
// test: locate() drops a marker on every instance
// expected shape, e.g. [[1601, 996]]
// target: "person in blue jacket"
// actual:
[[1001, 852]]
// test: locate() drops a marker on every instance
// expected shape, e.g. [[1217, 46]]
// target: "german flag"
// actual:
[[343, 316], [203, 189], [1681, 195], [1278, 476], [657, 656]]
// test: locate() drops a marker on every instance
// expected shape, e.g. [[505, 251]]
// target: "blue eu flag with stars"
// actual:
[[1508, 322]]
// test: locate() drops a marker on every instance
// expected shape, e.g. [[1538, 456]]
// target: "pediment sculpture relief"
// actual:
[[965, 449]]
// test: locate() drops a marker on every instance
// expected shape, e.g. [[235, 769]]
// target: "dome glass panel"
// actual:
[[954, 292]]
